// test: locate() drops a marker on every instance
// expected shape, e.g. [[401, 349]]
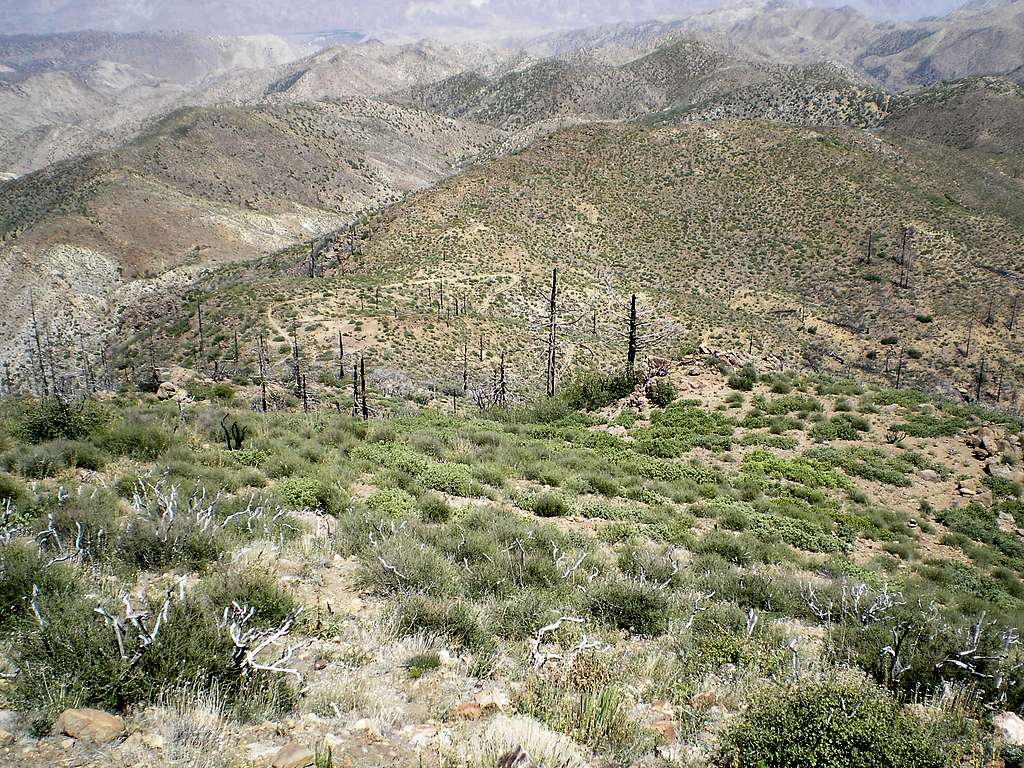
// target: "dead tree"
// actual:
[[355, 389], [202, 340], [970, 337], [39, 346], [362, 388], [644, 332], [899, 369], [631, 340], [233, 435], [261, 352], [1013, 314], [871, 247], [980, 383], [552, 342]]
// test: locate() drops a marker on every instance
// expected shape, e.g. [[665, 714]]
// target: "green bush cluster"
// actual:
[[828, 725]]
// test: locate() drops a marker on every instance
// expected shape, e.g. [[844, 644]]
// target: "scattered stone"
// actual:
[[293, 756], [968, 487], [1010, 728], [90, 725]]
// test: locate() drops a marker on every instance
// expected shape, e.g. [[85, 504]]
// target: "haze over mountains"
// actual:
[[394, 18], [141, 160]]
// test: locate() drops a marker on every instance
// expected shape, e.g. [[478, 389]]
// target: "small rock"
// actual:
[[90, 725], [166, 391], [928, 475], [469, 710], [617, 430], [319, 664], [967, 487], [1010, 728], [6, 738], [293, 756]]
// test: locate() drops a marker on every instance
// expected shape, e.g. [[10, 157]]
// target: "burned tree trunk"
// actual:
[[631, 337], [263, 373], [362, 387], [552, 355]]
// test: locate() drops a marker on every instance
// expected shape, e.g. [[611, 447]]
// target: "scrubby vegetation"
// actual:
[[628, 580]]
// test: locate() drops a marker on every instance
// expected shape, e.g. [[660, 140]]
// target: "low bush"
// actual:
[[51, 418], [306, 492], [641, 609], [828, 725], [662, 392], [49, 459], [593, 391], [391, 502], [434, 508]]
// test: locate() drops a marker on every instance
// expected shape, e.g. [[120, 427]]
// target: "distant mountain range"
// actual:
[[398, 18]]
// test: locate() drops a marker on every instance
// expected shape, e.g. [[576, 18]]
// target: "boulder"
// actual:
[[293, 756], [968, 487], [166, 390], [928, 475], [90, 725], [1010, 728]]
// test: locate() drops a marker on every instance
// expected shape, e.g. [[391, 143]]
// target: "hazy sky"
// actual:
[[379, 17]]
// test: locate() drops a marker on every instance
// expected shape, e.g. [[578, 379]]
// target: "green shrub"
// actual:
[[827, 725], [391, 502], [593, 391], [306, 492], [48, 459], [662, 392], [453, 620], [11, 488], [253, 588], [453, 479], [845, 427], [74, 658], [549, 505], [139, 440], [21, 567], [54, 419], [434, 508], [744, 379], [638, 608], [421, 663]]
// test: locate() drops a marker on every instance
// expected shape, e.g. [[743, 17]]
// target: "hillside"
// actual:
[[677, 79], [206, 185], [705, 571], [757, 245], [978, 115]]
